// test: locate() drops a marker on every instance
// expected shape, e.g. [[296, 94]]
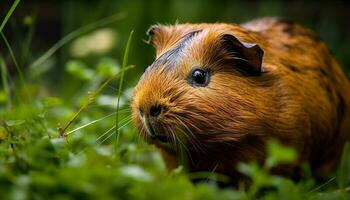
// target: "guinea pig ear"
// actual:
[[249, 56], [153, 33]]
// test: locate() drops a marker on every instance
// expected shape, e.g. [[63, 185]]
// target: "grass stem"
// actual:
[[8, 15], [5, 81], [120, 87], [92, 97], [71, 36]]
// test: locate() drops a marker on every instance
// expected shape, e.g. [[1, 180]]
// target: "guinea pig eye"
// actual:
[[199, 77]]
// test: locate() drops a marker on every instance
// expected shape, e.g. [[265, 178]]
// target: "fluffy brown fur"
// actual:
[[301, 97]]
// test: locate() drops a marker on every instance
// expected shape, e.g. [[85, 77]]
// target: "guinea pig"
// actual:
[[216, 93]]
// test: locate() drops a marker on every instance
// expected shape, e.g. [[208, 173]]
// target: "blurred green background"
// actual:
[[37, 25], [64, 49]]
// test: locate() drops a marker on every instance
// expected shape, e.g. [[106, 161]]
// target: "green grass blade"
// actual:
[[343, 171], [5, 83], [2, 62], [91, 99], [88, 124], [125, 60], [26, 47], [71, 36], [21, 76], [9, 13]]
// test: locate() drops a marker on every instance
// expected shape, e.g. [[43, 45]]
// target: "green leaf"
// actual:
[[279, 154], [107, 67], [80, 70], [343, 173]]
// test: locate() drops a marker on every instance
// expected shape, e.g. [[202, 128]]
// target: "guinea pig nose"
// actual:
[[155, 110]]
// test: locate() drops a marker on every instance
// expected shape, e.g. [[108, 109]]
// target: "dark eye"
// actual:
[[199, 77]]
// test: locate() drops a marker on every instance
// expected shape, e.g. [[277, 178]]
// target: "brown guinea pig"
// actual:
[[220, 91]]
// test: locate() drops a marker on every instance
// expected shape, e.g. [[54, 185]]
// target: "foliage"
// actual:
[[37, 161]]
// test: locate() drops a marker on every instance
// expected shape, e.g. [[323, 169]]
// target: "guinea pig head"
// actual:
[[192, 94]]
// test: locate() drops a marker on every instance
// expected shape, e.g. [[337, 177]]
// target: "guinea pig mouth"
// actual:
[[155, 134]]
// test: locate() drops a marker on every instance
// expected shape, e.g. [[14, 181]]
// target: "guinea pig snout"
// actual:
[[153, 111], [150, 116], [156, 132]]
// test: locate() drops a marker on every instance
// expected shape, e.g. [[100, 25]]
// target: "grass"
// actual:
[[82, 160], [90, 100], [120, 87], [75, 34], [5, 82], [9, 13], [19, 71]]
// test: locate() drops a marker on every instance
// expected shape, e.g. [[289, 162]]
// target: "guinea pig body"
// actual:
[[217, 92]]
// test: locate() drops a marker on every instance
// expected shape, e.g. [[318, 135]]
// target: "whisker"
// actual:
[[108, 105], [140, 135], [172, 137], [116, 90], [113, 127], [201, 144], [113, 88], [196, 146], [195, 142], [322, 185], [110, 135], [211, 173], [175, 138], [88, 124], [183, 146], [106, 132]]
